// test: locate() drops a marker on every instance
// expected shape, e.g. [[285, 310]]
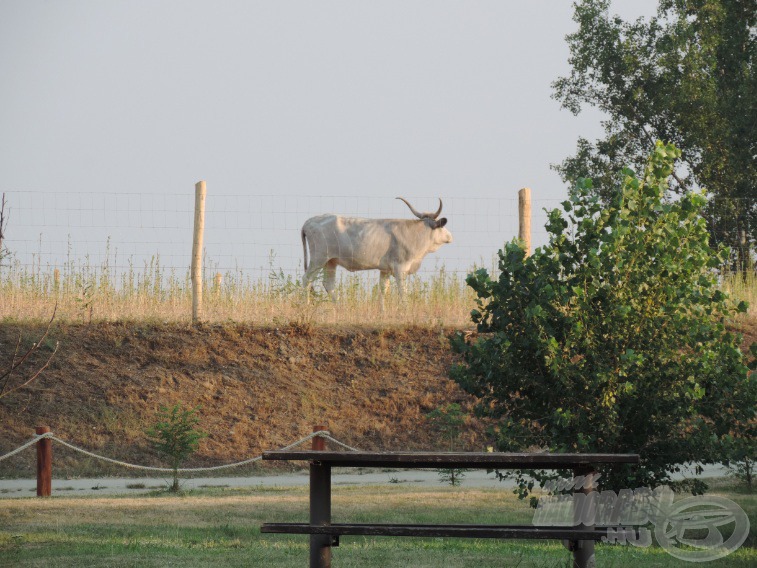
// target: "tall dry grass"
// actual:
[[87, 292], [84, 292]]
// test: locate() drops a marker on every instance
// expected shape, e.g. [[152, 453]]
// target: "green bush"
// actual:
[[612, 337], [448, 421], [174, 436]]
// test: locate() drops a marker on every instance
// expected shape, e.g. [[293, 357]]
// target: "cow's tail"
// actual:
[[304, 248]]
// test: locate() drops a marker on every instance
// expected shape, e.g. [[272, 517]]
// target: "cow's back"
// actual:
[[354, 243]]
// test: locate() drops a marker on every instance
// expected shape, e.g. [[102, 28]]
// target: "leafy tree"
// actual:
[[174, 436], [685, 75], [611, 338]]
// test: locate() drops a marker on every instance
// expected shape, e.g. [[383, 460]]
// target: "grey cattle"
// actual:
[[392, 246]]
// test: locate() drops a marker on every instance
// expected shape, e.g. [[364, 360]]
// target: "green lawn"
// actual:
[[220, 527]]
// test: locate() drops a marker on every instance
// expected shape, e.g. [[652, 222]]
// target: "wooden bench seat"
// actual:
[[459, 531]]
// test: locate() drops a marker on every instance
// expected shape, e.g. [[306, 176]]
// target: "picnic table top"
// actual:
[[482, 460]]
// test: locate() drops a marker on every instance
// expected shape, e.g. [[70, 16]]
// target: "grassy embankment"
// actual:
[[220, 527]]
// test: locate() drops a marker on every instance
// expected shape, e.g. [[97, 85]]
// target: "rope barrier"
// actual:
[[26, 445], [322, 434]]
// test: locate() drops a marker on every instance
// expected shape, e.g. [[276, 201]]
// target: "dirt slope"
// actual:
[[258, 389]]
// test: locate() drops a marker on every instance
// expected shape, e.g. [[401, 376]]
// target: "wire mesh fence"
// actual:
[[74, 245], [50, 230]]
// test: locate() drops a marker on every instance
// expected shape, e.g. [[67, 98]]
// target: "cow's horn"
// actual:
[[419, 215], [438, 211], [423, 215]]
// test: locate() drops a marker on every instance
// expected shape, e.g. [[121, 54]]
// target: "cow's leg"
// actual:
[[329, 278], [383, 288], [400, 276]]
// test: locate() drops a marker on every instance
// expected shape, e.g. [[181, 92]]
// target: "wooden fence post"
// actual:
[[524, 218], [199, 230], [44, 463]]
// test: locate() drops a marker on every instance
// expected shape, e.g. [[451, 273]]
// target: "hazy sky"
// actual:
[[291, 98]]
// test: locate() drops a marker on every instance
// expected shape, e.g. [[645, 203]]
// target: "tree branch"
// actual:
[[4, 392], [5, 375], [3, 224]]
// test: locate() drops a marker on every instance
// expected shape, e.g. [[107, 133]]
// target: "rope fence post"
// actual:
[[44, 463], [199, 230], [524, 218], [319, 444]]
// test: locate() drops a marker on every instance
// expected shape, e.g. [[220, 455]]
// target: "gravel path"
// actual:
[[134, 486]]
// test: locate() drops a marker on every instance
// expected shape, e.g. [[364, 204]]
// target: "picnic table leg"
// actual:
[[583, 550], [320, 513]]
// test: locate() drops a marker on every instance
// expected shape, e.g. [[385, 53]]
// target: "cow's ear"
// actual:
[[440, 223]]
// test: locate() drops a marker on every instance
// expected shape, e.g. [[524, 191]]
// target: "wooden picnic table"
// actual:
[[324, 534]]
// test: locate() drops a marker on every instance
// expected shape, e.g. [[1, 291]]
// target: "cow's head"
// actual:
[[439, 235]]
